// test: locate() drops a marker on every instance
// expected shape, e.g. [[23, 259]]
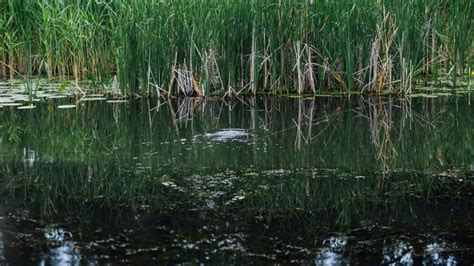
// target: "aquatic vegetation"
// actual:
[[210, 47]]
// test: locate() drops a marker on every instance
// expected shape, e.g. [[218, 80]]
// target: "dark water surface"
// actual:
[[322, 181]]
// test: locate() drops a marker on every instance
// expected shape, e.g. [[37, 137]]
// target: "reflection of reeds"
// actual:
[[304, 122], [186, 109], [316, 131], [380, 114], [332, 195], [87, 160], [381, 125]]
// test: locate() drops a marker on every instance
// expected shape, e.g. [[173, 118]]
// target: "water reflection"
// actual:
[[259, 159], [398, 253], [176, 238], [67, 254], [29, 157], [2, 240], [323, 144], [370, 133], [435, 254], [229, 134], [402, 252], [61, 248], [2, 256], [332, 252]]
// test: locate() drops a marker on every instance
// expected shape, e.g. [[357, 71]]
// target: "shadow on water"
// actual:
[[365, 180]]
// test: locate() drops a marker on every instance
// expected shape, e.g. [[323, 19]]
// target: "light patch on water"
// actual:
[[89, 99], [67, 254], [232, 243], [398, 253], [2, 257], [117, 101], [328, 257], [211, 191], [62, 251], [12, 104], [6, 100], [57, 96], [332, 252], [229, 134], [57, 235], [276, 172], [434, 255], [29, 157], [26, 107], [66, 106]]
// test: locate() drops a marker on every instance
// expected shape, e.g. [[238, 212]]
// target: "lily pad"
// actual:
[[433, 89], [422, 95], [6, 100], [20, 98], [26, 107], [66, 106], [250, 174], [117, 101], [42, 95], [12, 104], [57, 96], [93, 99], [463, 91]]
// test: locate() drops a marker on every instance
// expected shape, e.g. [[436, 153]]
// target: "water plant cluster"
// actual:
[[225, 47]]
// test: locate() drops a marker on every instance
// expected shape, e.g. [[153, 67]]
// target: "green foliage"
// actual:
[[220, 46]]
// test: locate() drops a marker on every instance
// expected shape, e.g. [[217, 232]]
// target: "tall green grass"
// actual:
[[207, 47]]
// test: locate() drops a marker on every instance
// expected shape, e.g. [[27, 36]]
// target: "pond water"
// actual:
[[322, 181]]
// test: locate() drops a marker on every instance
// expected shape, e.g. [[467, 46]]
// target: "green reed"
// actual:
[[208, 47]]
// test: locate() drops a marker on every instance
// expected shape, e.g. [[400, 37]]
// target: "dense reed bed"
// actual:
[[225, 47]]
